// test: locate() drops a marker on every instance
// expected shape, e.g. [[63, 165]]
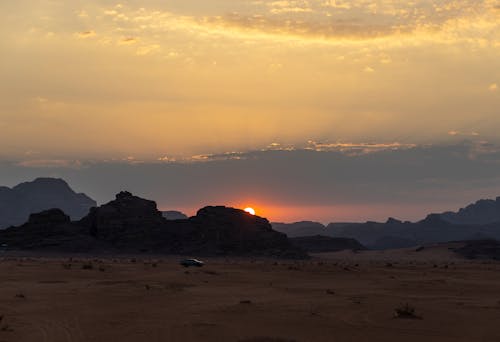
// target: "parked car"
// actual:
[[192, 262]]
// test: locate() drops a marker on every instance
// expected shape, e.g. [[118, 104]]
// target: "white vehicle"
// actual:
[[192, 262]]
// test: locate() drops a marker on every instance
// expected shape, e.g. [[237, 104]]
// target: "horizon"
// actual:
[[170, 183]]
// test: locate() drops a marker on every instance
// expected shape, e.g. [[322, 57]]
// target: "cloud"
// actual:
[[418, 178], [86, 34], [50, 163], [466, 134], [128, 41]]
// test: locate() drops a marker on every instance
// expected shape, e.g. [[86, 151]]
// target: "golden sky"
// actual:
[[148, 79]]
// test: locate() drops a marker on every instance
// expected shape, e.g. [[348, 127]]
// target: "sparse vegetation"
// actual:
[[20, 295], [67, 266], [87, 266], [406, 311], [6, 328]]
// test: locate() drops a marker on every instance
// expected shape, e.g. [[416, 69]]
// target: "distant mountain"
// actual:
[[297, 229], [174, 215], [130, 224], [18, 203], [482, 212], [397, 234], [321, 244]]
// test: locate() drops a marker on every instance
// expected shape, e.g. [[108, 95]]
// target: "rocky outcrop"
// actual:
[[18, 203], [130, 224], [223, 231], [322, 244], [126, 222], [48, 230]]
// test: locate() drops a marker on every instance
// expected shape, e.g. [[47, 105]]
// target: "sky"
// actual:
[[250, 102]]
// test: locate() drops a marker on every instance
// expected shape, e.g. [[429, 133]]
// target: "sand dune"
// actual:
[[337, 297]]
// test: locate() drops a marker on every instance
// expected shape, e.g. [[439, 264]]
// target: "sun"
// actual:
[[251, 211]]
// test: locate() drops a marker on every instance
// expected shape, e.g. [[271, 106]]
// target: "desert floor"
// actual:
[[333, 297]]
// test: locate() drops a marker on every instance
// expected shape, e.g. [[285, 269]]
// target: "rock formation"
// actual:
[[223, 230], [50, 230], [130, 224]]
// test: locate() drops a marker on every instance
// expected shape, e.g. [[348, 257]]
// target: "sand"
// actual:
[[334, 297]]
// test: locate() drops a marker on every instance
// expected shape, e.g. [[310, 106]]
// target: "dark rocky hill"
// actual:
[[50, 230], [321, 244], [18, 203], [130, 224]]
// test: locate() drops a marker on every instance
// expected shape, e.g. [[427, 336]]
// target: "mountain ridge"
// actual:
[[43, 193]]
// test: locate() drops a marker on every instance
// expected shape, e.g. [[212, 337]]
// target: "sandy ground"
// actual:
[[334, 297]]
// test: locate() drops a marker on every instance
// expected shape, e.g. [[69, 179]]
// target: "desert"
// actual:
[[343, 296]]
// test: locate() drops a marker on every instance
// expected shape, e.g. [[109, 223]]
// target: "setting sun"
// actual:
[[251, 211]]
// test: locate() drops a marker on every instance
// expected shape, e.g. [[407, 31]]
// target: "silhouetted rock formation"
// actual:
[[18, 203], [49, 230], [321, 244], [221, 230], [131, 224], [298, 229], [172, 215], [126, 218], [480, 249], [481, 212]]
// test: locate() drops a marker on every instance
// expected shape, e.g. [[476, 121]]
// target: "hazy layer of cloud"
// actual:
[[326, 183]]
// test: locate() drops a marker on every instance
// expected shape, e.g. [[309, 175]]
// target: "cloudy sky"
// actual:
[[257, 98]]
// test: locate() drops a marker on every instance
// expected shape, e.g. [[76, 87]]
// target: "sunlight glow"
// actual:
[[251, 211]]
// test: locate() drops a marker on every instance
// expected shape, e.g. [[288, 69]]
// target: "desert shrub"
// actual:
[[87, 266], [406, 311]]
